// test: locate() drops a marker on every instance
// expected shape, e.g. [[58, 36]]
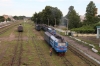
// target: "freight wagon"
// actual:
[[38, 27], [20, 28]]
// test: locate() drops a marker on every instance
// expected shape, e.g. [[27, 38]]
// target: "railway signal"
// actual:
[[67, 25]]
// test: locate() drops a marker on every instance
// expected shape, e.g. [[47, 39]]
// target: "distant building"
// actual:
[[5, 16], [8, 16], [11, 17]]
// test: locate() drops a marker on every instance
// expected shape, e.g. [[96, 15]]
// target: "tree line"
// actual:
[[50, 15], [2, 19], [19, 17], [88, 25]]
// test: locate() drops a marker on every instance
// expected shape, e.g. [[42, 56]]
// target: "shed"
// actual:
[[98, 31]]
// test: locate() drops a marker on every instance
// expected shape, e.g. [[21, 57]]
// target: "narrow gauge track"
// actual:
[[82, 56], [16, 59], [39, 50]]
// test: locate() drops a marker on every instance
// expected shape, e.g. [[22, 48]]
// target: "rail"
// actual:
[[41, 56], [16, 59]]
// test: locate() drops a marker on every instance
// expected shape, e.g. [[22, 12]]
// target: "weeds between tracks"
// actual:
[[82, 56], [16, 60], [39, 50]]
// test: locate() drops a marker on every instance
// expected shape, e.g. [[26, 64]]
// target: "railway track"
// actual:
[[3, 30], [7, 28], [66, 61], [16, 59], [39, 50], [82, 56]]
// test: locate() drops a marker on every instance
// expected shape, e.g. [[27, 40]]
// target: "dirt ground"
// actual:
[[90, 39]]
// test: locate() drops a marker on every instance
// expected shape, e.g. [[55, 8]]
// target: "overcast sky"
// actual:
[[29, 7]]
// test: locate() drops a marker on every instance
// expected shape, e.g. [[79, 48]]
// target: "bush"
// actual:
[[85, 29], [99, 52]]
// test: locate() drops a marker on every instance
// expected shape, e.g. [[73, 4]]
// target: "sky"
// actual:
[[29, 7]]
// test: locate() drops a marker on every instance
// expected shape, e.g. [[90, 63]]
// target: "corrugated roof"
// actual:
[[98, 26]]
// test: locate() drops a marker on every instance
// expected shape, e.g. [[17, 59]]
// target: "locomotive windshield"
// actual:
[[61, 44]]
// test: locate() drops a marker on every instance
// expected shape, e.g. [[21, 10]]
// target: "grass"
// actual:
[[58, 61], [91, 41], [8, 32], [9, 52], [29, 55]]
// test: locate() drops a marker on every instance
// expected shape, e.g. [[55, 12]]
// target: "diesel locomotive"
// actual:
[[57, 42]]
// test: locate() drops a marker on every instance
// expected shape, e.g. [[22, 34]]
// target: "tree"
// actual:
[[9, 19], [19, 17], [48, 14], [90, 14], [71, 8], [34, 17], [2, 19], [15, 17], [73, 18]]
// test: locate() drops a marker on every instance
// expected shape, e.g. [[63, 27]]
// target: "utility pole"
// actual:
[[67, 25], [55, 22], [48, 21], [36, 20]]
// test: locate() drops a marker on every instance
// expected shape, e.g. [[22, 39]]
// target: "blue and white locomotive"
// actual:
[[57, 42]]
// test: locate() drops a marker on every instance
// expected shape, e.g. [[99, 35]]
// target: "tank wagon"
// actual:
[[57, 43], [20, 28], [38, 27]]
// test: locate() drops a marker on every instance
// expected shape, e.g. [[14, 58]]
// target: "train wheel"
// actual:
[[61, 54]]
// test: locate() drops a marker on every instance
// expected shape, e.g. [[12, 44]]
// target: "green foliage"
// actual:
[[2, 19], [99, 52], [92, 28], [15, 17], [8, 19], [19, 17], [90, 14], [90, 22], [34, 17], [73, 18], [48, 15], [85, 29]]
